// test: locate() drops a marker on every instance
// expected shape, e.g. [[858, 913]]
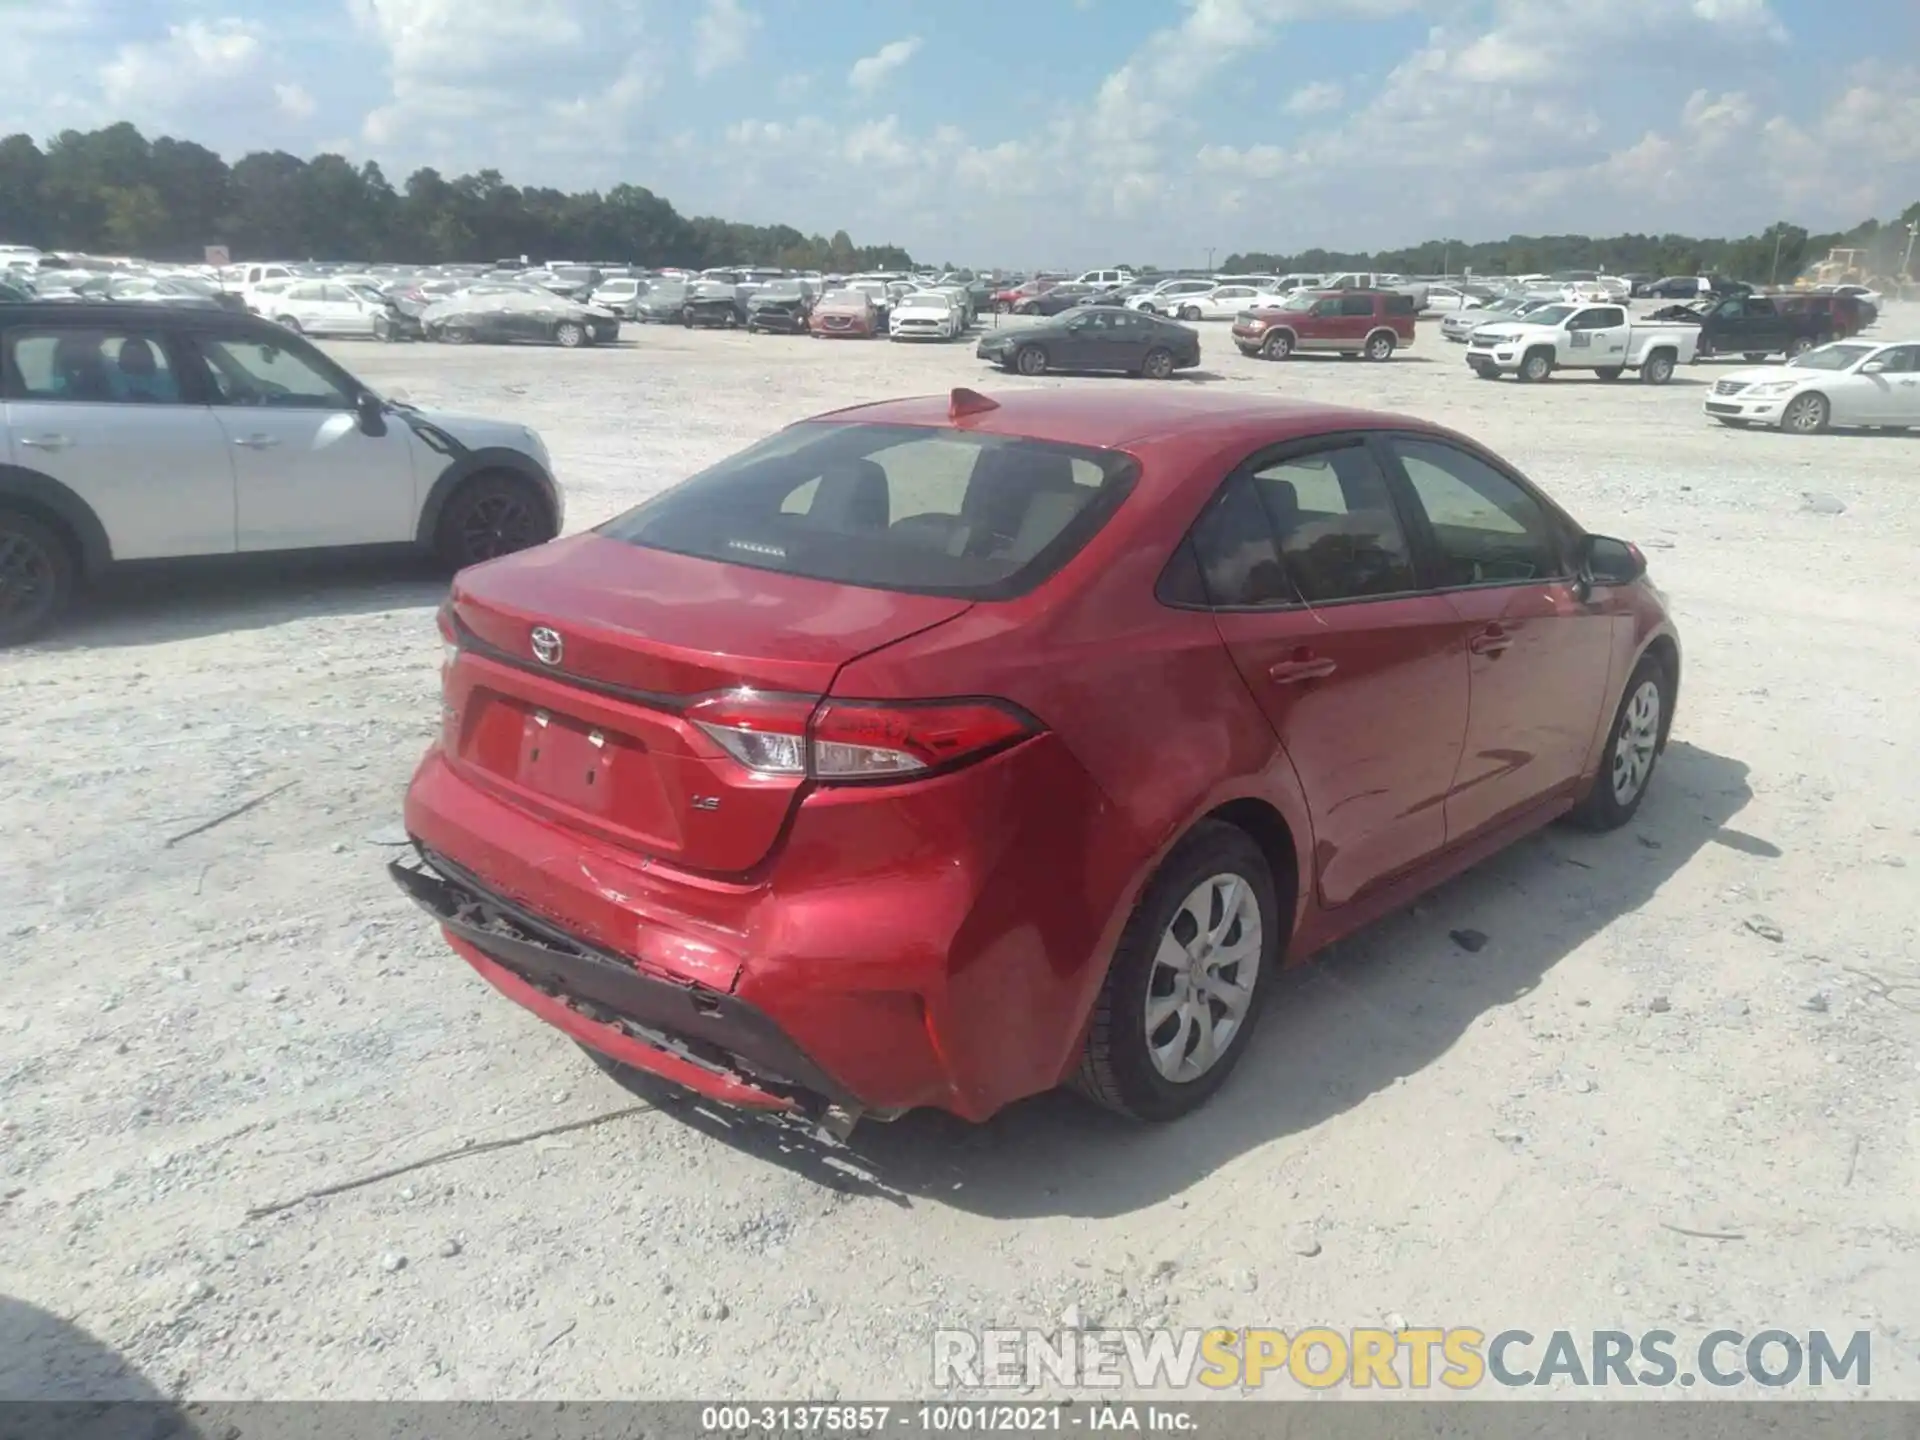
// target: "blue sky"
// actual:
[[1046, 131]]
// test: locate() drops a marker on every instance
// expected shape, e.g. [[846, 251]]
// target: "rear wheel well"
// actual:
[[1269, 831]]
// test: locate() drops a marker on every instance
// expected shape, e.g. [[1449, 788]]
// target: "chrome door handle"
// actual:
[[45, 442], [256, 442], [1299, 668]]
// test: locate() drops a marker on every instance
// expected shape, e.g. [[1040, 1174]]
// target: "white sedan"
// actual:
[[924, 315], [1222, 302], [1165, 298], [1445, 299], [320, 307], [1852, 383]]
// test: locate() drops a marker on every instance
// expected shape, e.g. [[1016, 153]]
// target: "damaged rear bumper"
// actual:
[[695, 1036]]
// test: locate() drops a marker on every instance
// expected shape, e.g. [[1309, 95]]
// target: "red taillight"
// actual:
[[843, 740], [449, 653]]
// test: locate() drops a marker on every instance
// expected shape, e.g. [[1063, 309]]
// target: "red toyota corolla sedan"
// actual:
[[942, 751]]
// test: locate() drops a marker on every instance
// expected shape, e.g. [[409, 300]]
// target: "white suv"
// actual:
[[130, 432]]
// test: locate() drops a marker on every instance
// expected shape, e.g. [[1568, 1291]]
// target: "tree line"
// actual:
[[1777, 254], [112, 191]]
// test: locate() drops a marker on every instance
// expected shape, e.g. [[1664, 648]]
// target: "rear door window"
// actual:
[[906, 508], [1304, 529], [104, 365]]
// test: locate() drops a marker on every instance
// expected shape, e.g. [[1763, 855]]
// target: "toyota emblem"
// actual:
[[547, 645]]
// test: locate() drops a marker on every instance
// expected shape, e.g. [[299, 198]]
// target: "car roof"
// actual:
[[1115, 419], [58, 312]]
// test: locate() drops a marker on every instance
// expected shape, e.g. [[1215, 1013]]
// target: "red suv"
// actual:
[[1372, 323], [937, 753]]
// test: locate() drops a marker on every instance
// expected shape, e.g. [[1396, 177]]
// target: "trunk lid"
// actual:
[[597, 736]]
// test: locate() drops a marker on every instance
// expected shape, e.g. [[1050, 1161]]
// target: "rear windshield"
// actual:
[[893, 507]]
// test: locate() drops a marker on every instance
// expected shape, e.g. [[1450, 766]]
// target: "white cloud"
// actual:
[[721, 36], [1312, 99], [296, 103], [869, 72], [488, 83], [155, 76]]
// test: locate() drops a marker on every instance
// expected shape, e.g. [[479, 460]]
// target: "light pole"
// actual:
[[1773, 275], [1906, 265]]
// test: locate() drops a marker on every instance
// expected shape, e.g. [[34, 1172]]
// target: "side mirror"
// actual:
[[372, 411], [1606, 561], [1873, 367]]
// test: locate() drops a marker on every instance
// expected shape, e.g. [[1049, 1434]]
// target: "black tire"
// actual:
[[1602, 807], [1535, 367], [570, 335], [1001, 307], [1609, 372], [1798, 347], [1189, 312], [686, 318], [1117, 1069], [1379, 346], [1754, 357], [1277, 346], [1158, 365], [1658, 368], [287, 322], [1808, 414], [36, 577], [455, 335], [1030, 360], [492, 514], [1483, 369]]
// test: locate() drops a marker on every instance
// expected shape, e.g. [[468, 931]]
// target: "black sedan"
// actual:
[[713, 303], [662, 302], [1052, 302], [782, 307], [1096, 338]]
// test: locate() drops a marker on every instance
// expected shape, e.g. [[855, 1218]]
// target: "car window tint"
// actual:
[[1403, 304], [111, 366], [1239, 560], [1339, 536], [338, 294], [1902, 359], [893, 507], [1357, 305], [1486, 529], [250, 372]]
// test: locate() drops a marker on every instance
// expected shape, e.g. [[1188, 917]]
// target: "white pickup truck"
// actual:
[[1600, 338]]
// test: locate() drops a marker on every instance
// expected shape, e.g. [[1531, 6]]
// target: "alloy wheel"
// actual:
[[1639, 738], [499, 524], [1203, 977], [1806, 416], [27, 579]]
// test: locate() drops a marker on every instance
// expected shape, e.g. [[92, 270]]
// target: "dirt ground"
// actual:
[[1709, 1022]]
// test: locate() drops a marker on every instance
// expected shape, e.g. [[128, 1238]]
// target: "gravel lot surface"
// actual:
[[1707, 1025]]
